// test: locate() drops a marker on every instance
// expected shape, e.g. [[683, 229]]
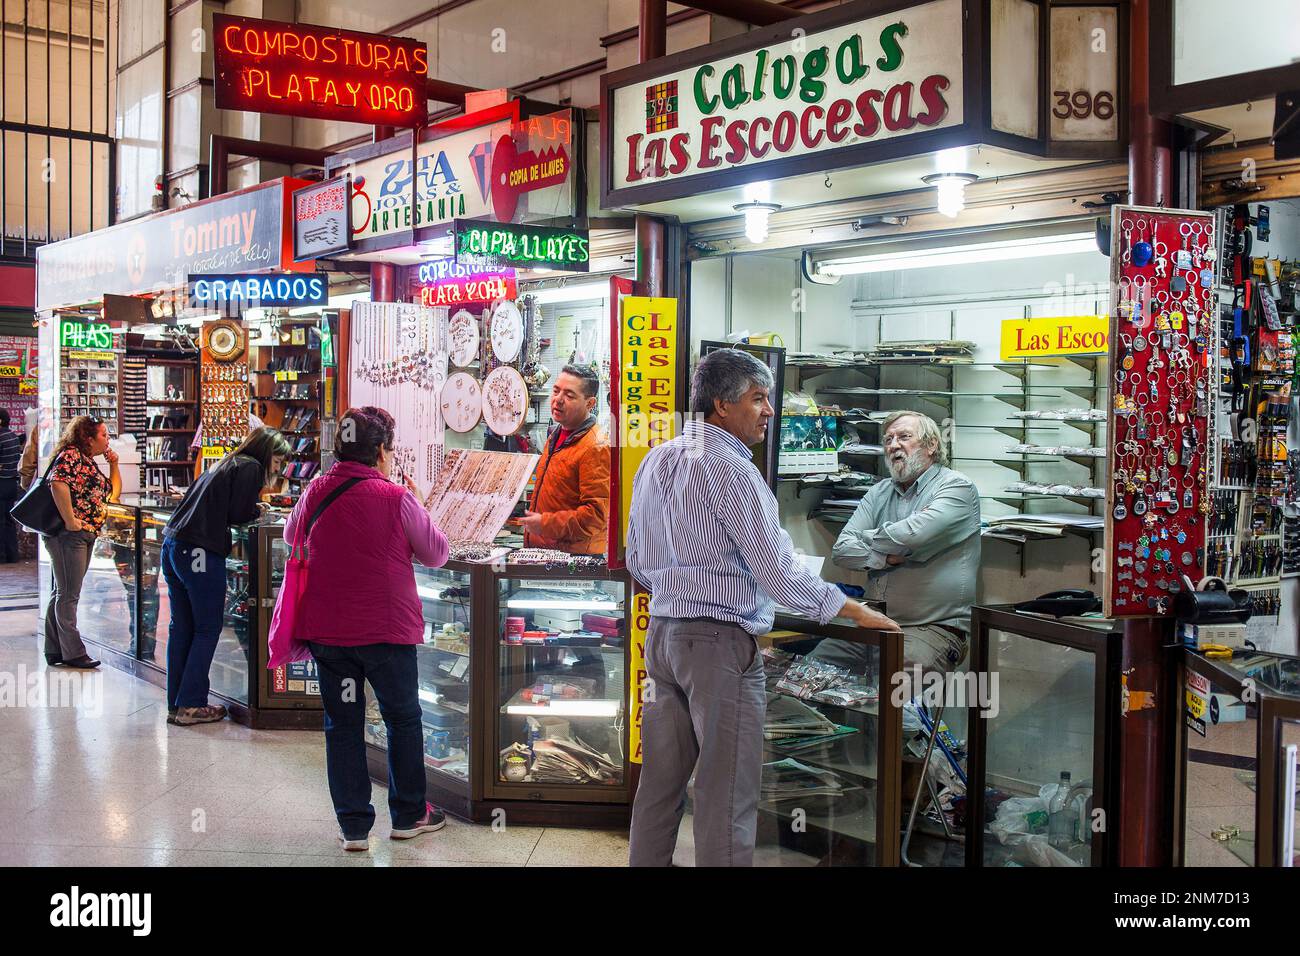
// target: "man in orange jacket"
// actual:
[[569, 509]]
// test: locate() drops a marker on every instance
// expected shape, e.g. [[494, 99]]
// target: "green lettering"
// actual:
[[783, 87], [815, 62], [733, 87], [706, 104], [761, 75], [893, 57], [854, 69]]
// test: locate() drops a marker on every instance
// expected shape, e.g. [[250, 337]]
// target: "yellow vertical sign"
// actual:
[[647, 417]]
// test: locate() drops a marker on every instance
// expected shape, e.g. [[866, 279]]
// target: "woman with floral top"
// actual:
[[80, 490]]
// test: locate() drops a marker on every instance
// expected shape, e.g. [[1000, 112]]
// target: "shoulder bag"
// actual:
[[283, 645], [36, 510]]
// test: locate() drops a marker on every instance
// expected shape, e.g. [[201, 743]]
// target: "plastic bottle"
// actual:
[[1061, 817]]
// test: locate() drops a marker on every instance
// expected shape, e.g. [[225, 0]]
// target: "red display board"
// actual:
[[265, 66], [1163, 308]]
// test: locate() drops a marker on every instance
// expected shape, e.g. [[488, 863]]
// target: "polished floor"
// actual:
[[98, 778]]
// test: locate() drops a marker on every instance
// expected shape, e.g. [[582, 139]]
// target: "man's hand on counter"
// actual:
[[894, 560], [531, 522], [864, 616]]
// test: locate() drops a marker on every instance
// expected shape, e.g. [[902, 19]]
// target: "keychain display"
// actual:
[[1161, 346], [505, 400], [461, 401]]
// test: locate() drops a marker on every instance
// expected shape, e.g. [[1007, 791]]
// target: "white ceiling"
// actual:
[[1246, 121]]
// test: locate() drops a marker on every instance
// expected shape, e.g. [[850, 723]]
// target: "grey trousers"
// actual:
[[704, 713], [69, 558]]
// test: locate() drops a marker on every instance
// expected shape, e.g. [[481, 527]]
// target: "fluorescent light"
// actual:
[[569, 708], [580, 292], [756, 217], [1032, 248], [951, 187], [429, 593], [541, 604]]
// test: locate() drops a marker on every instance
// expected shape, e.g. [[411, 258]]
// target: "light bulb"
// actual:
[[756, 224], [952, 197]]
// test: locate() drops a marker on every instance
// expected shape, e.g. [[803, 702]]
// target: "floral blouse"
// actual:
[[87, 485]]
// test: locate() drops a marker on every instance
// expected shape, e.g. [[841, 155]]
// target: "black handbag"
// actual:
[[36, 510]]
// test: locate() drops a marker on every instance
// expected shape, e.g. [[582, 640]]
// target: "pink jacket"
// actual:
[[360, 583]]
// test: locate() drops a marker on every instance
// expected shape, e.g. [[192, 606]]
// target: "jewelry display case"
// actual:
[[556, 653], [830, 793], [1238, 741], [451, 724], [108, 592], [1055, 724]]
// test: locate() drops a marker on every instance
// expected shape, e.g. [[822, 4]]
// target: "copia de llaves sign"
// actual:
[[297, 69], [887, 76]]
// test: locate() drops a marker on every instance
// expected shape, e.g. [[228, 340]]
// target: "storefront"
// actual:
[[135, 333]]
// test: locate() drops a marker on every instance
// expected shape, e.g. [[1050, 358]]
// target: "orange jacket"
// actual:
[[571, 493]]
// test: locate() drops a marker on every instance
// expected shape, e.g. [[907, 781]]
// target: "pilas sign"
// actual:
[[870, 80]]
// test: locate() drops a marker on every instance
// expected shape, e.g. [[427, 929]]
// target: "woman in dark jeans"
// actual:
[[194, 564], [80, 490]]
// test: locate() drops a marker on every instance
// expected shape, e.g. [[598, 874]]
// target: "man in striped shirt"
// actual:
[[705, 538], [11, 450]]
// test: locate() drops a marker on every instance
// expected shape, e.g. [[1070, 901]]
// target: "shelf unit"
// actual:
[[265, 381]]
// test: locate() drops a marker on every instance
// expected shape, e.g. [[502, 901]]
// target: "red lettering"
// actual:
[[709, 141], [633, 154], [898, 107], [659, 386], [659, 407], [659, 359], [654, 155], [936, 106], [783, 131], [836, 117], [681, 158], [869, 123], [810, 141], [736, 140], [765, 124]]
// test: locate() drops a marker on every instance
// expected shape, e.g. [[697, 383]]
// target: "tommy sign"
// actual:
[[870, 80]]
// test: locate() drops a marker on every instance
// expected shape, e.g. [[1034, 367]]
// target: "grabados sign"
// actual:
[[888, 76]]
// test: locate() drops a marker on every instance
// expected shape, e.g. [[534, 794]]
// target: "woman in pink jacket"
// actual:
[[362, 617]]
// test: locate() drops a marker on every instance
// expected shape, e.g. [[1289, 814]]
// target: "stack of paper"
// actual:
[[787, 717], [569, 760], [788, 782]]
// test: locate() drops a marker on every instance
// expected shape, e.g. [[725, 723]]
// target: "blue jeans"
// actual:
[[196, 585], [393, 675]]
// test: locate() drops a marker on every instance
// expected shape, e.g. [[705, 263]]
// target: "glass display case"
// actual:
[[107, 614], [1239, 736], [1043, 764], [446, 672], [560, 686], [830, 789]]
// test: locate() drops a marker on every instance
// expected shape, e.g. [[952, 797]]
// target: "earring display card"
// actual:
[[1162, 342]]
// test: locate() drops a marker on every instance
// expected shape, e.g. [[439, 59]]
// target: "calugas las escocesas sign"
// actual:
[[888, 76]]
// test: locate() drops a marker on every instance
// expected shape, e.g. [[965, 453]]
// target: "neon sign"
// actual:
[[85, 335], [528, 246], [265, 66], [448, 282], [259, 291]]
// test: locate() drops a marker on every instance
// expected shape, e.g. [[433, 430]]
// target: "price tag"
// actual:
[[288, 375]]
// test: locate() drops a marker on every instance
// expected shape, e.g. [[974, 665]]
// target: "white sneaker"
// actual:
[[354, 845]]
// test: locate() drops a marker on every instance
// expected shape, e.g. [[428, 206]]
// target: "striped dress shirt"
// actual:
[[705, 538], [11, 451]]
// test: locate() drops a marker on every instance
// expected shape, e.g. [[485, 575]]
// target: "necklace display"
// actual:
[[536, 375], [538, 556]]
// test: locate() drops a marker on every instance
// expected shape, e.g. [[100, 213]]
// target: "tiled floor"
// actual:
[[110, 783]]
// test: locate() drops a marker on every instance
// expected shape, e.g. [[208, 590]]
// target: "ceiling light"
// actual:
[[756, 216], [952, 190], [1030, 248]]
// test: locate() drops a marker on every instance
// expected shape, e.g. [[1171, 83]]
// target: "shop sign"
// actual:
[[270, 290], [16, 355], [1057, 335], [92, 356], [238, 232], [489, 165], [527, 246], [321, 224], [297, 69], [448, 282], [75, 334], [1196, 701], [882, 78], [647, 385], [28, 386], [639, 626]]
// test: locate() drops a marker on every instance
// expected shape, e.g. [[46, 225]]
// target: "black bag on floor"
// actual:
[[36, 510]]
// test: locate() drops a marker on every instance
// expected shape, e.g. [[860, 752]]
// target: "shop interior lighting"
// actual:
[[568, 708], [951, 190], [579, 292], [756, 217], [542, 604], [1030, 248]]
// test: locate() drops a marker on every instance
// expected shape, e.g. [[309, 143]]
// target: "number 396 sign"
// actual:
[[1084, 74]]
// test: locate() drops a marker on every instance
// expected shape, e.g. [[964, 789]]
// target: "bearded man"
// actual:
[[918, 538]]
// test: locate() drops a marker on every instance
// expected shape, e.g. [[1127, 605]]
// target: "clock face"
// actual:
[[463, 334], [462, 402], [505, 400], [225, 342], [507, 331]]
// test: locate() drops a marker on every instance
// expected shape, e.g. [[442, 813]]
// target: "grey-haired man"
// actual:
[[705, 539], [918, 538]]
